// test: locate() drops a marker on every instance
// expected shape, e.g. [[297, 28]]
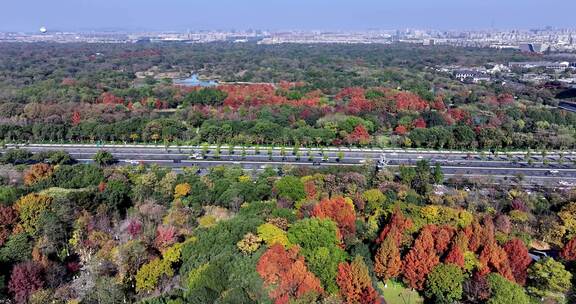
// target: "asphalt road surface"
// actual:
[[552, 168]]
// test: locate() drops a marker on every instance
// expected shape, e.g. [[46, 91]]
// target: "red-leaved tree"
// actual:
[[442, 237], [359, 136], [400, 130], [420, 260], [25, 279], [397, 222], [455, 256], [165, 236], [340, 211], [494, 259], [8, 218], [568, 252], [286, 275], [519, 259], [419, 123], [76, 118]]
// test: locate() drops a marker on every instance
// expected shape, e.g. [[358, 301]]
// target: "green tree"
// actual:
[[116, 195], [320, 246], [438, 174], [290, 188], [60, 158], [374, 199], [18, 248], [548, 278], [16, 156], [505, 292], [444, 284], [103, 158], [407, 174]]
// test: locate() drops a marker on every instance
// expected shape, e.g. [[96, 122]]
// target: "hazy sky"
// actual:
[[29, 15]]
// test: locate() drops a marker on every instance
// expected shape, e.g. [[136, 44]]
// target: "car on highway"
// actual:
[[132, 162], [316, 163], [552, 172], [196, 156], [176, 161]]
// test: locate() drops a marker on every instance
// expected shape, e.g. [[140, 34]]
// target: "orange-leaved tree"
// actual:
[[568, 252], [340, 211], [421, 259], [286, 275], [355, 283]]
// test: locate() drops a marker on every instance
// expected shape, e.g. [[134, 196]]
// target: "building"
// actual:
[[537, 48], [557, 66], [471, 76]]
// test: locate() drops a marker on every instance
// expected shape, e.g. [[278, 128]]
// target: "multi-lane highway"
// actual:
[[551, 168]]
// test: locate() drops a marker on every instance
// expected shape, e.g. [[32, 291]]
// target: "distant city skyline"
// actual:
[[181, 15]]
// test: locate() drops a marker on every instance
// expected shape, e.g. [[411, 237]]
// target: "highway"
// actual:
[[552, 168]]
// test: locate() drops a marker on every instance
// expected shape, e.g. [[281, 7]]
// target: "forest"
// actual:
[[99, 232], [78, 233], [367, 95]]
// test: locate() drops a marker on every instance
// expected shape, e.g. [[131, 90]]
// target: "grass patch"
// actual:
[[56, 192], [396, 293]]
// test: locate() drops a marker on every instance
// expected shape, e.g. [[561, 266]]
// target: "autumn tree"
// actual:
[[455, 256], [494, 259], [568, 252], [387, 262], [442, 237], [374, 199], [25, 279], [476, 236], [181, 190], [36, 173], [341, 211], [395, 227], [30, 208], [359, 136], [271, 235], [76, 118], [519, 259], [8, 218], [420, 260], [355, 283], [477, 289], [17, 248], [286, 275]]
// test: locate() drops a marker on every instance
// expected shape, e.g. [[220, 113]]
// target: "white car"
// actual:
[[196, 156], [132, 162]]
